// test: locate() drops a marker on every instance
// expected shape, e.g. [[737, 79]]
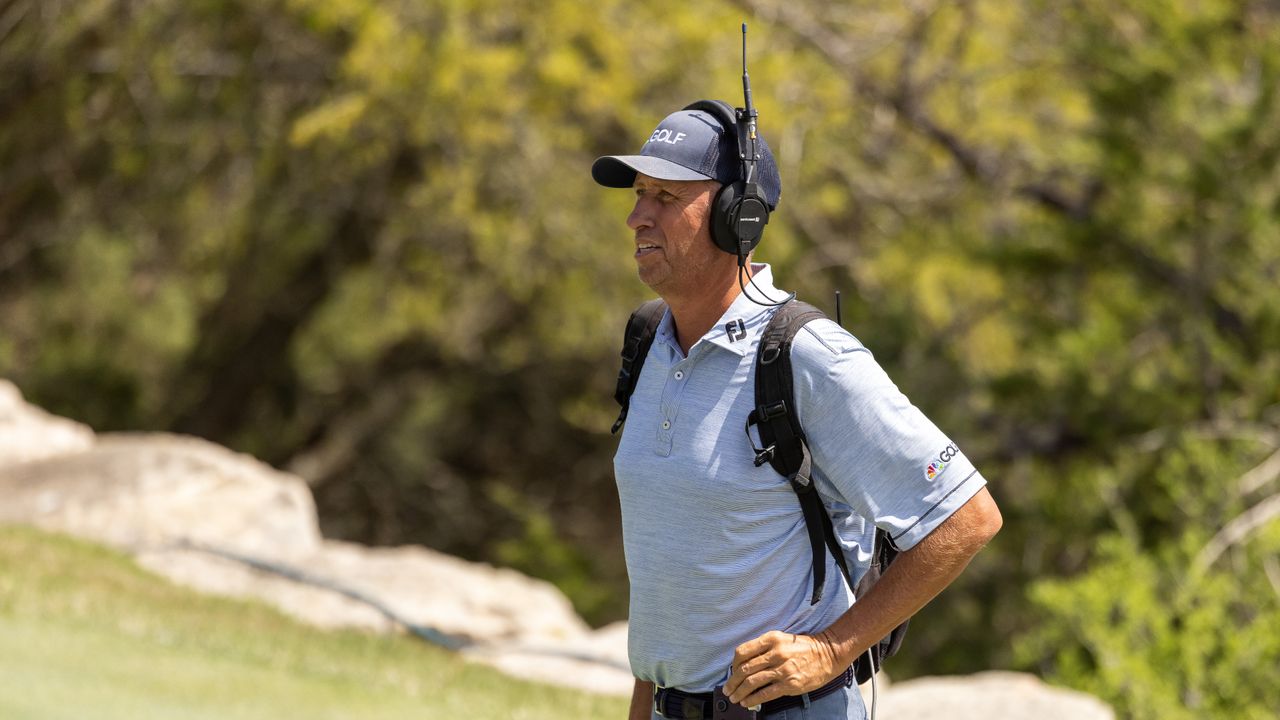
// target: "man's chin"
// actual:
[[653, 277]]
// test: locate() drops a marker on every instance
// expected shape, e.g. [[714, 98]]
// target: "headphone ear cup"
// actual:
[[728, 204], [723, 231]]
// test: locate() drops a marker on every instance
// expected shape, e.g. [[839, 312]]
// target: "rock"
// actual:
[[473, 600], [172, 500], [143, 491], [183, 506], [29, 433], [216, 575], [417, 585], [600, 665], [992, 695], [522, 626]]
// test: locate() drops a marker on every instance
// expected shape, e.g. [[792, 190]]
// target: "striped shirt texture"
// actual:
[[716, 548]]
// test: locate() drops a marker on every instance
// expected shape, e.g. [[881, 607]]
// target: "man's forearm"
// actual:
[[641, 701], [915, 578]]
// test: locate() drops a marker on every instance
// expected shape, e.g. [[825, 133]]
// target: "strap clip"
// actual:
[[764, 413], [765, 455], [801, 483]]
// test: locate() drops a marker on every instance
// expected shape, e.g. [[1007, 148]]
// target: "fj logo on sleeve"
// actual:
[[736, 330], [938, 464]]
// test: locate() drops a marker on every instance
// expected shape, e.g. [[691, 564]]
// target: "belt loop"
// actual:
[[805, 698]]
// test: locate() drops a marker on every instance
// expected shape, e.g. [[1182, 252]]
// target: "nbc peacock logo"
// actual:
[[938, 464]]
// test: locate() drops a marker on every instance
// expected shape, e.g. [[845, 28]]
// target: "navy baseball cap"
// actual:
[[690, 145]]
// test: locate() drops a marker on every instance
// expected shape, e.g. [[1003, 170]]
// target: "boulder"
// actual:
[[139, 491], [29, 433], [472, 601], [992, 695], [522, 626], [595, 661], [215, 520]]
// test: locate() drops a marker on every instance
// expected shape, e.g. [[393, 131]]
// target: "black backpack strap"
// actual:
[[786, 449], [783, 440], [636, 342]]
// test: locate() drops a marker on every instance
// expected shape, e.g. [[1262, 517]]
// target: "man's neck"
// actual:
[[697, 312]]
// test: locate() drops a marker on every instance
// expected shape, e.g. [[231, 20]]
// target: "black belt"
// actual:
[[679, 705]]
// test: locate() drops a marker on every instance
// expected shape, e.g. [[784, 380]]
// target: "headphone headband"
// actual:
[[720, 110]]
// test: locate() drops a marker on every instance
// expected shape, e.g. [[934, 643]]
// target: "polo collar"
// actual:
[[738, 327]]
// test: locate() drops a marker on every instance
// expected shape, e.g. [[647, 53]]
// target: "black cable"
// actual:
[[742, 267]]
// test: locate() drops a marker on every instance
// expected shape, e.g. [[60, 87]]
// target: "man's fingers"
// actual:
[[772, 691], [758, 646], [751, 684], [753, 656], [756, 668], [743, 671], [759, 662]]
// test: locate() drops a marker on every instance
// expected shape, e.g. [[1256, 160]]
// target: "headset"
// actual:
[[740, 211]]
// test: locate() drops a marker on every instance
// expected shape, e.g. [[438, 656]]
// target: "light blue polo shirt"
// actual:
[[717, 551]]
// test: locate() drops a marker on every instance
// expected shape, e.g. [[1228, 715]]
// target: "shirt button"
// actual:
[[666, 424], [679, 374]]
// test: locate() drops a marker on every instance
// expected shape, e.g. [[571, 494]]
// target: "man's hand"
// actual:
[[778, 664]]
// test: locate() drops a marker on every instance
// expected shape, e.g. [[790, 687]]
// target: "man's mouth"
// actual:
[[646, 248]]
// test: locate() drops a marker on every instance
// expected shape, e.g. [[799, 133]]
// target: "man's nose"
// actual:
[[640, 216]]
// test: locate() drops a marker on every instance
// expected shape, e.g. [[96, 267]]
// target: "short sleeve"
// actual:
[[888, 461]]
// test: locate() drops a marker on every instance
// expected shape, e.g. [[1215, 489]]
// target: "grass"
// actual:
[[85, 633]]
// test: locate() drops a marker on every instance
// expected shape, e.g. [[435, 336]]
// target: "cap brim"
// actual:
[[619, 171]]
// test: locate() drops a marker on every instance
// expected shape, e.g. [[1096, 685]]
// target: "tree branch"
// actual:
[[1265, 472], [1236, 532], [972, 159]]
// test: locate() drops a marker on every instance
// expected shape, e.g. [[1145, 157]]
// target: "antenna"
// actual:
[[748, 114]]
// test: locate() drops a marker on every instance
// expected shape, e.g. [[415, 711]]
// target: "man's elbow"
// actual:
[[967, 531], [982, 520], [988, 520]]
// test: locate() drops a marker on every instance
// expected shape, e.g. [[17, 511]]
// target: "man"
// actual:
[[717, 552]]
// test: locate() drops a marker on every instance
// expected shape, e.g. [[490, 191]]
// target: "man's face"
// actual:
[[672, 224]]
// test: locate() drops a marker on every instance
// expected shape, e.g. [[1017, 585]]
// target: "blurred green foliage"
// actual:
[[359, 240]]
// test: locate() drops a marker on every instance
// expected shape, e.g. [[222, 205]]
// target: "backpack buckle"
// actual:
[[765, 455], [768, 412], [800, 483]]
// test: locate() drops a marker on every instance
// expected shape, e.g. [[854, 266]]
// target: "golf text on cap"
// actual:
[[666, 136]]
